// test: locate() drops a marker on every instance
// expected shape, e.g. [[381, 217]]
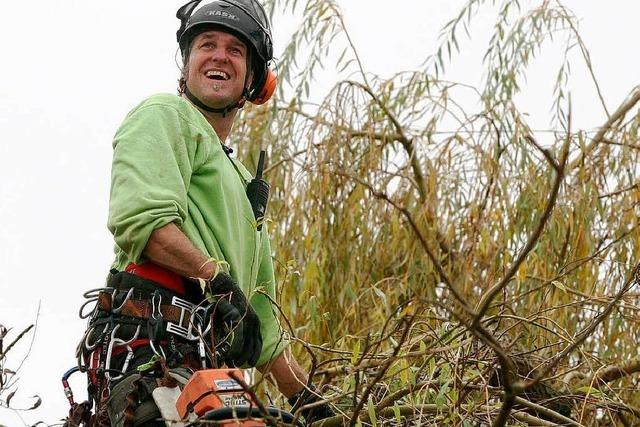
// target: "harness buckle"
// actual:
[[195, 320]]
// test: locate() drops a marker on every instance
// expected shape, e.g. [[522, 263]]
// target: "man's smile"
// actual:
[[217, 75]]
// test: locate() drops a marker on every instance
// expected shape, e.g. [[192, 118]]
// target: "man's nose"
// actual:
[[219, 54]]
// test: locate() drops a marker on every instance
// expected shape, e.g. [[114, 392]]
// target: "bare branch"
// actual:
[[617, 115]]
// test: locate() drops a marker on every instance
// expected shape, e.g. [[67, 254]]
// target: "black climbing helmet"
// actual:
[[245, 18]]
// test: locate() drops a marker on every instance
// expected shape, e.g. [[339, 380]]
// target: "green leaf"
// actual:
[[372, 412], [313, 308], [591, 391], [396, 412], [404, 371], [441, 399], [432, 367], [355, 356]]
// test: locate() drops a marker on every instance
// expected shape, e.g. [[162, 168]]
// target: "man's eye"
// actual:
[[235, 51], [207, 45]]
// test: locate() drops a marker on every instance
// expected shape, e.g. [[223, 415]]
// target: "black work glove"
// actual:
[[239, 322], [306, 397]]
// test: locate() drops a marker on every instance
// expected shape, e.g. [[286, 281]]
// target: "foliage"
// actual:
[[8, 376], [455, 275]]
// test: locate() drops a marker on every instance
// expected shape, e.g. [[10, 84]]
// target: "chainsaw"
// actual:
[[219, 395]]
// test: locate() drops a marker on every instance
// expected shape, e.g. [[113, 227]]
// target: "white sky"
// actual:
[[73, 68]]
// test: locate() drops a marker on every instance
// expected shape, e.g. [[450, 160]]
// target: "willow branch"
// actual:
[[423, 241], [365, 396], [18, 338], [406, 142], [427, 408], [614, 372], [548, 412], [587, 60], [617, 115], [587, 331], [350, 132], [623, 190], [533, 239]]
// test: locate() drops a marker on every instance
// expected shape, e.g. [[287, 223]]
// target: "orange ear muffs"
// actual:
[[268, 88]]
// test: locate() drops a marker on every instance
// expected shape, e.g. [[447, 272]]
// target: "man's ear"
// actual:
[[249, 78], [249, 75], [185, 63], [185, 71]]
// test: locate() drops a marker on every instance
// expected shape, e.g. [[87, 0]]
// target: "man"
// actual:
[[180, 217]]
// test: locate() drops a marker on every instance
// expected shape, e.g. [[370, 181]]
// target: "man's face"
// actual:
[[217, 68]]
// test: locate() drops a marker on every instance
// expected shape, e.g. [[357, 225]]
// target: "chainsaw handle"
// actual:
[[244, 412]]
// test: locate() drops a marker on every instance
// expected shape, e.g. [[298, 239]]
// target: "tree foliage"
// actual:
[[8, 376], [438, 257]]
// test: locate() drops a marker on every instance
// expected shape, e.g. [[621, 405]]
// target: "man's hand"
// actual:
[[313, 413], [233, 309]]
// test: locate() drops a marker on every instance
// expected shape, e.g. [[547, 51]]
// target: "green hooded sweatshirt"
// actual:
[[169, 166]]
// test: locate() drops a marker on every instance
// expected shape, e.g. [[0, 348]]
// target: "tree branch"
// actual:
[[617, 115], [488, 297]]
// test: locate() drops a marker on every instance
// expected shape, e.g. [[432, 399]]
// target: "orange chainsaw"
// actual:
[[217, 395]]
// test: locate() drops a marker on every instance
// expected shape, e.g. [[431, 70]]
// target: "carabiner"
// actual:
[[117, 342], [119, 308], [91, 346]]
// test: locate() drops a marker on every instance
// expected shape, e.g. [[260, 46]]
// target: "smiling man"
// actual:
[[180, 217]]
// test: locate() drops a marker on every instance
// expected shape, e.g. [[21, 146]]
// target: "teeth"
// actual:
[[216, 73]]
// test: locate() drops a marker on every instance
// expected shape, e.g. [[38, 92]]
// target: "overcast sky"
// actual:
[[71, 71]]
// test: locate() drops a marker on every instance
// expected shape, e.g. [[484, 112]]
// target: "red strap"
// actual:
[[168, 279]]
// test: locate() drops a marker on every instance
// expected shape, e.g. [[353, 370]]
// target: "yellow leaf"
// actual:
[[522, 272], [356, 353], [559, 285]]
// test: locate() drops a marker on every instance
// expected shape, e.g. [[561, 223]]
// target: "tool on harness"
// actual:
[[79, 413], [65, 384], [154, 323], [134, 317], [185, 320], [128, 316], [258, 192], [113, 342]]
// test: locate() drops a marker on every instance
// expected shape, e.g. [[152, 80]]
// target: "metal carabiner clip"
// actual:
[[91, 346], [118, 309], [125, 365], [154, 323], [117, 342]]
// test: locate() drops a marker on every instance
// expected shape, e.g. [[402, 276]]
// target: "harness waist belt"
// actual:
[[143, 309]]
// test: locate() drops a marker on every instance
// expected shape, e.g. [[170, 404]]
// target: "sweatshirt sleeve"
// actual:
[[150, 176], [274, 340]]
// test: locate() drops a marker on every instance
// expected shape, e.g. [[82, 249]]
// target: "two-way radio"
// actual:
[[258, 192]]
